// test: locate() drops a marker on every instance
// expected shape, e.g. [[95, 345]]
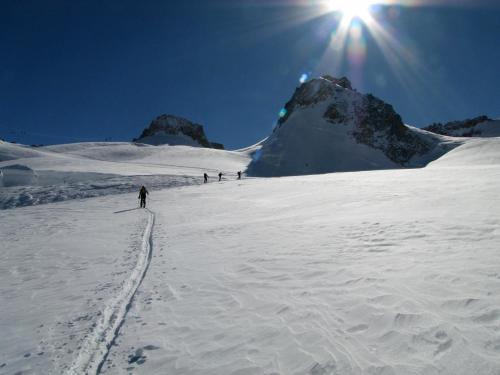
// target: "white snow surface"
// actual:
[[83, 170], [476, 152], [163, 138], [310, 144], [378, 272]]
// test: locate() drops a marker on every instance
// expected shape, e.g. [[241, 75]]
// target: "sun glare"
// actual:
[[350, 30], [351, 9]]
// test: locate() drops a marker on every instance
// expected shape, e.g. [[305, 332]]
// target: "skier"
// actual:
[[205, 178], [220, 176], [239, 175], [142, 196]]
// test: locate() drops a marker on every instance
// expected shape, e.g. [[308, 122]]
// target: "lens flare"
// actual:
[[303, 78], [283, 112], [356, 50]]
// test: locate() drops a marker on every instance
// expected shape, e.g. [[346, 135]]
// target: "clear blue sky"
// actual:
[[90, 70]]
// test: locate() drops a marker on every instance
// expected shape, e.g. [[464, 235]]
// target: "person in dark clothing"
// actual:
[[239, 175], [205, 178], [220, 176], [142, 196]]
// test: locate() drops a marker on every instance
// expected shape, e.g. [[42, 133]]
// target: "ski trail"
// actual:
[[95, 349]]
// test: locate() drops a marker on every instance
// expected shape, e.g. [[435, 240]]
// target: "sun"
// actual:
[[351, 9]]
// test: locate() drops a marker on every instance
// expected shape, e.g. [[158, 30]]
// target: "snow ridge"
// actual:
[[95, 349]]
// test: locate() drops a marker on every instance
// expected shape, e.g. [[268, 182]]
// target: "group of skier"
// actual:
[[205, 176], [143, 192]]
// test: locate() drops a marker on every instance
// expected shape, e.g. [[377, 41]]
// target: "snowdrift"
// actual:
[[476, 152], [12, 151]]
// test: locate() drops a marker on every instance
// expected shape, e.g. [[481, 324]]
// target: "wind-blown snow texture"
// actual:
[[381, 272]]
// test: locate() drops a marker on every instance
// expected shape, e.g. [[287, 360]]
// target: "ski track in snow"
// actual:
[[371, 273], [95, 349], [335, 274]]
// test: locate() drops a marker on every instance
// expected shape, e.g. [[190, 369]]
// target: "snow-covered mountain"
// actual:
[[328, 126], [481, 126], [174, 130]]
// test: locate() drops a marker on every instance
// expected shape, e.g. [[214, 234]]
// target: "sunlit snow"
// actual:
[[378, 272]]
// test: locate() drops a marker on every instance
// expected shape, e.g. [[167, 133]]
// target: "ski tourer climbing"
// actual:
[[205, 178], [142, 196], [239, 175], [220, 176]]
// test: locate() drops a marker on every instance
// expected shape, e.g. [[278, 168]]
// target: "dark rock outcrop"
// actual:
[[379, 126], [173, 125], [217, 146], [465, 128]]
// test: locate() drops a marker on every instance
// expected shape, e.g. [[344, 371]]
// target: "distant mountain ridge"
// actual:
[[174, 130], [481, 126], [327, 126]]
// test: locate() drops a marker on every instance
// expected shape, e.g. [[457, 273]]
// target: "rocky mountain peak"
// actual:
[[333, 127], [175, 130], [313, 92], [372, 121]]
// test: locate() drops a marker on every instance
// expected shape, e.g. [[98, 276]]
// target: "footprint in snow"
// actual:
[[137, 357]]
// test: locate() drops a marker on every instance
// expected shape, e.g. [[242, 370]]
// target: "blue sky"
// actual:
[[90, 70]]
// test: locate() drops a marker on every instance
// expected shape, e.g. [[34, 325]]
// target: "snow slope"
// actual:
[[139, 158], [379, 272], [11, 151], [61, 270], [474, 153], [387, 272], [83, 170], [169, 139], [298, 149]]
